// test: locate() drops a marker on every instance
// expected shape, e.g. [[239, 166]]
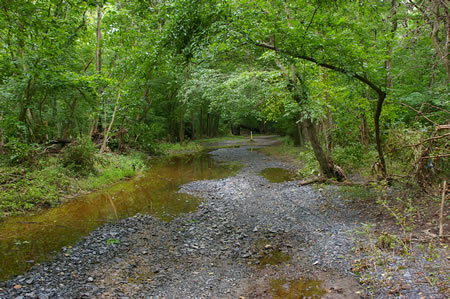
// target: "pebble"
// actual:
[[207, 258]]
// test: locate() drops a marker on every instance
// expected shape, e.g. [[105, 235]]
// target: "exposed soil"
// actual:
[[249, 238]]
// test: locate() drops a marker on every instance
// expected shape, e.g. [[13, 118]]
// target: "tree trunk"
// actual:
[[326, 166], [388, 62], [98, 62], [381, 98], [364, 131], [327, 124], [98, 67], [200, 126], [362, 78], [208, 124], [262, 127], [181, 131], [108, 130], [301, 136], [438, 7], [192, 125], [297, 137]]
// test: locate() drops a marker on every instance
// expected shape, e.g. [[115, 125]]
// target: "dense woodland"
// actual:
[[357, 83]]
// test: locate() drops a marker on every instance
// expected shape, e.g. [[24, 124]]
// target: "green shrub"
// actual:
[[310, 165], [17, 152], [354, 156], [79, 157]]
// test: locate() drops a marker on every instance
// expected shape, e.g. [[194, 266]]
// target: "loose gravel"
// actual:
[[215, 252]]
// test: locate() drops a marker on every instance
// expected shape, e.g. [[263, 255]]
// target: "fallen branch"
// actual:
[[322, 180], [418, 113], [312, 181], [436, 156]]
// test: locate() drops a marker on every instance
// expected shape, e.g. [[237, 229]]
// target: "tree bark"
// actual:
[[380, 93], [108, 130], [192, 125], [181, 131], [364, 130], [98, 55], [325, 168], [381, 98], [388, 62], [98, 67], [200, 125], [301, 136], [208, 124]]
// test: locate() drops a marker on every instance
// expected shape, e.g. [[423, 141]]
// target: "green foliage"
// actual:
[[112, 169], [355, 157], [179, 148], [17, 152], [26, 189], [358, 193], [112, 241], [310, 165], [80, 157], [387, 241], [47, 183], [189, 69]]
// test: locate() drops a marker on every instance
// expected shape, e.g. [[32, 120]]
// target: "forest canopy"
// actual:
[[364, 80]]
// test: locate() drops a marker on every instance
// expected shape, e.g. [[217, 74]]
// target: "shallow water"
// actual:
[[278, 175], [296, 289], [27, 240]]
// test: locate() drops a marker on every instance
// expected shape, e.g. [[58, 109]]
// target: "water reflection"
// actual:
[[30, 239], [278, 175]]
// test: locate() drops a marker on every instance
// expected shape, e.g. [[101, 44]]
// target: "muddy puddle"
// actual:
[[296, 289], [278, 175], [27, 240]]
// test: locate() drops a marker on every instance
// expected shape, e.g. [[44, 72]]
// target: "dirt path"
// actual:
[[249, 238]]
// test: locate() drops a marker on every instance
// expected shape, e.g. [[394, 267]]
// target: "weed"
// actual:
[[79, 157], [387, 241], [112, 241], [44, 185]]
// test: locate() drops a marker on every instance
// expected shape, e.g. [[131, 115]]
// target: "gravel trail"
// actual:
[[247, 235]]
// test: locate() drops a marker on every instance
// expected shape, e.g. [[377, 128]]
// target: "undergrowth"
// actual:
[[48, 182], [42, 181], [167, 149]]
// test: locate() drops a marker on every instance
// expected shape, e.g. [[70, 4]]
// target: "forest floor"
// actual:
[[250, 238]]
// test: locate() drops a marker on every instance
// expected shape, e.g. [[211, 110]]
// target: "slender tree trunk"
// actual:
[[364, 130], [216, 124], [301, 137], [192, 125], [2, 144], [200, 126], [69, 121], [148, 106], [108, 130], [381, 98], [98, 61], [297, 137], [208, 124], [390, 44], [181, 131], [98, 67]]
